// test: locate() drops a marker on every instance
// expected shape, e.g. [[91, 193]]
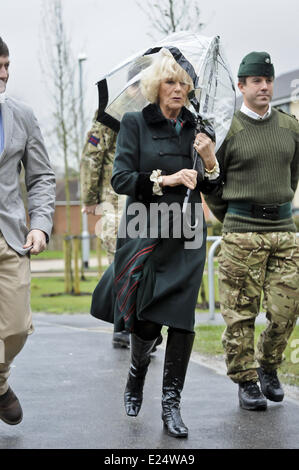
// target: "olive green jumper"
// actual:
[[260, 162]]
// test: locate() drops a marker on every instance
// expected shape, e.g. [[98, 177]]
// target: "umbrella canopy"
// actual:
[[201, 57]]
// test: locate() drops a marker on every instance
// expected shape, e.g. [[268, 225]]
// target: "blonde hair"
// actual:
[[163, 67]]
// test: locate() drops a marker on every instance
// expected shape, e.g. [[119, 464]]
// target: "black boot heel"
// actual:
[[173, 423]]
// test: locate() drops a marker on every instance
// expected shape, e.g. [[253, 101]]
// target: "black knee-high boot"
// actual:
[[177, 355], [140, 359]]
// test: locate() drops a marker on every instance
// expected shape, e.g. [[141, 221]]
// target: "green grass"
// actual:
[[205, 283], [208, 339], [56, 254], [208, 342], [66, 303], [61, 303]]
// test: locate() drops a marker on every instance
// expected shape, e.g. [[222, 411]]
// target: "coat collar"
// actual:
[[153, 115]]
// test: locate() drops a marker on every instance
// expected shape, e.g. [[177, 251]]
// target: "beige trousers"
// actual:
[[15, 311]]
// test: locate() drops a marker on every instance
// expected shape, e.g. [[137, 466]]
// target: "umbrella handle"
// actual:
[[209, 131], [186, 200], [184, 210], [187, 197]]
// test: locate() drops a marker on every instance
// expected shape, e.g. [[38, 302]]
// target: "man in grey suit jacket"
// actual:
[[21, 145]]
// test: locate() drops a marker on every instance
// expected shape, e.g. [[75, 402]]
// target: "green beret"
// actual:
[[256, 64]]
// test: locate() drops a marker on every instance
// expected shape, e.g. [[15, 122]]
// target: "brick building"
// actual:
[[60, 217]]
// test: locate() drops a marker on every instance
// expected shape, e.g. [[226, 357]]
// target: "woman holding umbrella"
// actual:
[[158, 282]]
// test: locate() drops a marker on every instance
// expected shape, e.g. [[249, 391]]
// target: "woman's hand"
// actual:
[[205, 147], [186, 177]]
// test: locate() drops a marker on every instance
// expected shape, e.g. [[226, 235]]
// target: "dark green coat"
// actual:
[[157, 278]]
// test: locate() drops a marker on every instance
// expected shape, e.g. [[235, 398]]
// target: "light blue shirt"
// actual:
[[1, 133]]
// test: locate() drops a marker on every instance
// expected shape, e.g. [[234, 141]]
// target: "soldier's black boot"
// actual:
[[177, 355], [270, 385], [140, 359], [250, 396]]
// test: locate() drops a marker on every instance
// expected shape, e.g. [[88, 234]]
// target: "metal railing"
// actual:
[[211, 270]]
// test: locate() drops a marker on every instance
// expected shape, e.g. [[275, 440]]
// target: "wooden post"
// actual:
[[203, 294], [67, 261], [76, 245], [99, 255]]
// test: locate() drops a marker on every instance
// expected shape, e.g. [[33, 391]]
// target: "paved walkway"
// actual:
[[70, 382], [55, 267]]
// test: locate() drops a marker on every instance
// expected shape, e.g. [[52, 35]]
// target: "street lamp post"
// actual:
[[85, 233]]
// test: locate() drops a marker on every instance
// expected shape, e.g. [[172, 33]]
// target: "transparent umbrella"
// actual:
[[203, 58]]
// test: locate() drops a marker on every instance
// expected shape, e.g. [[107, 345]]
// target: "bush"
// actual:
[[296, 219], [217, 228]]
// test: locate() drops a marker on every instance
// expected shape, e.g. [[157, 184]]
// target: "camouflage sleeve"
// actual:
[[105, 178], [92, 160]]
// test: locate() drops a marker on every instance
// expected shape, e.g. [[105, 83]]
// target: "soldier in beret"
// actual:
[[260, 251]]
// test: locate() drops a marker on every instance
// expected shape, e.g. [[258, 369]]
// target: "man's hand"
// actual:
[[36, 239]]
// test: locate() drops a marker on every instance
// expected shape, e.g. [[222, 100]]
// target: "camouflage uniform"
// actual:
[[96, 171], [248, 264], [255, 256]]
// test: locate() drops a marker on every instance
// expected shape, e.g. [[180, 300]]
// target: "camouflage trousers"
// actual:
[[249, 264], [107, 227]]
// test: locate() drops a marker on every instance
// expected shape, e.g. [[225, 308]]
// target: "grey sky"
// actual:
[[109, 31]]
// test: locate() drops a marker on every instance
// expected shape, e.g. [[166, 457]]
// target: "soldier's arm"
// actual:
[[108, 159], [91, 165]]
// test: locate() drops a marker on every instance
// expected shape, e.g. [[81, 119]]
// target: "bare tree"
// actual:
[[59, 69], [56, 67], [167, 16]]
